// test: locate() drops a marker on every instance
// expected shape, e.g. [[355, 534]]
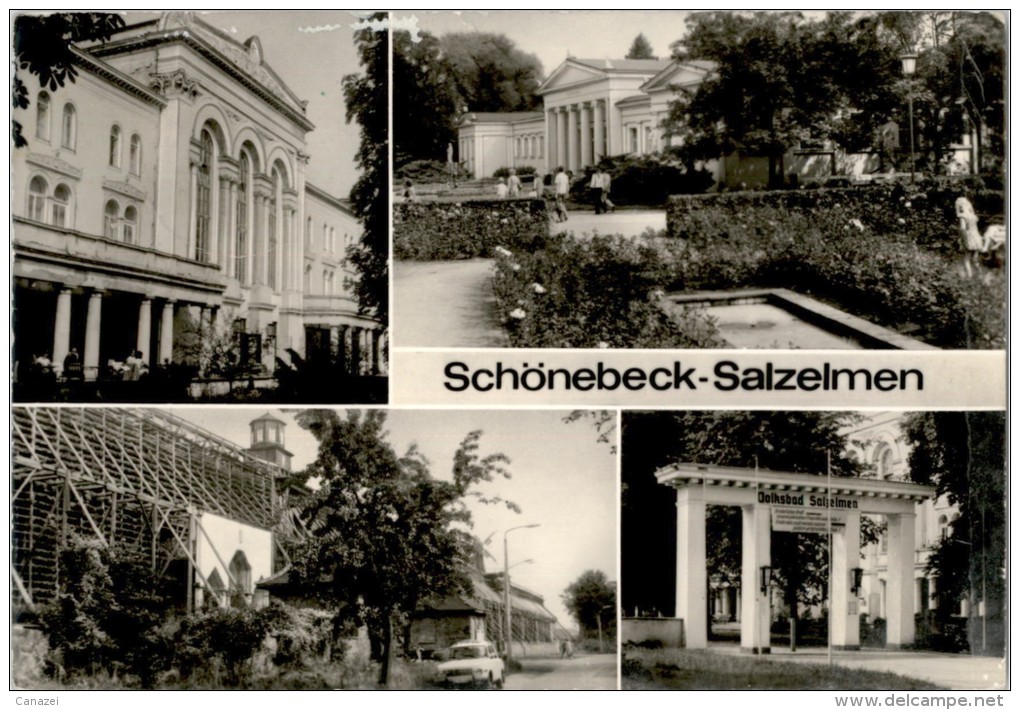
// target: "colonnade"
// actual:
[[578, 134]]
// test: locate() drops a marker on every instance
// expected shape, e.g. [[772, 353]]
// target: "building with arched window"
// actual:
[[181, 212]]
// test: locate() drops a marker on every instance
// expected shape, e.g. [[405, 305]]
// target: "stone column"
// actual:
[[691, 571], [144, 328], [377, 352], [561, 138], [223, 225], [585, 135], [262, 213], [600, 131], [214, 217], [355, 368], [231, 237], [166, 334], [573, 157], [845, 610], [93, 326], [755, 615], [193, 212], [341, 355], [62, 330], [899, 605]]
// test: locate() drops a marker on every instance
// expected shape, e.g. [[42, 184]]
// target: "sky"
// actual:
[[552, 35], [311, 51], [562, 478]]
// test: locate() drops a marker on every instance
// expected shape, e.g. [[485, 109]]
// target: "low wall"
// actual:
[[668, 631]]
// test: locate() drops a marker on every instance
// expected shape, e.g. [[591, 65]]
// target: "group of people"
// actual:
[[598, 192], [509, 188], [974, 243]]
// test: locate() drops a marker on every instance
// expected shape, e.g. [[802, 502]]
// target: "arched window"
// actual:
[[241, 221], [240, 572], [136, 154], [37, 199], [61, 199], [111, 219], [130, 226], [69, 132], [324, 281], [42, 116], [306, 286], [308, 233], [332, 239], [115, 146], [203, 208], [325, 237], [884, 461], [943, 527]]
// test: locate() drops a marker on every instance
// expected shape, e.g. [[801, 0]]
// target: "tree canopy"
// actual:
[[385, 536], [640, 48], [490, 73], [591, 600], [367, 103]]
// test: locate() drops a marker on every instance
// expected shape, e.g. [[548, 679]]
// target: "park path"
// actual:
[[587, 672], [445, 304], [450, 303]]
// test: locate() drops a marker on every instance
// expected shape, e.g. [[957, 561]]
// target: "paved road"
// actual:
[[595, 672], [629, 223], [445, 304]]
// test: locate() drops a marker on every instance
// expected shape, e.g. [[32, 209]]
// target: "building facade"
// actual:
[[162, 198]]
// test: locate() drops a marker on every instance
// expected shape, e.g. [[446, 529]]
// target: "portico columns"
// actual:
[[691, 573], [144, 328], [900, 585], [572, 154], [355, 368], [166, 334], [846, 554], [561, 138], [600, 131], [93, 323], [585, 135], [62, 330], [756, 534]]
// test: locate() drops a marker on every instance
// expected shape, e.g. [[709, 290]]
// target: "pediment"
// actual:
[[676, 74], [569, 74]]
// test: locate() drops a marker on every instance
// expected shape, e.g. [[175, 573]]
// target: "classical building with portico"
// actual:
[[162, 199]]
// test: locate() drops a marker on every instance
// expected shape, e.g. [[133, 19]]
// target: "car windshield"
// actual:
[[467, 652]]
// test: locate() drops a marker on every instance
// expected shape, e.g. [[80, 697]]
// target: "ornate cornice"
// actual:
[[125, 189], [174, 84], [54, 164], [116, 78]]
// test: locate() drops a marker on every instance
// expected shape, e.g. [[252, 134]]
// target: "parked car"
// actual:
[[471, 663]]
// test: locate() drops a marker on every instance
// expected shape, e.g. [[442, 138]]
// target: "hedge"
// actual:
[[591, 293], [430, 231], [924, 215]]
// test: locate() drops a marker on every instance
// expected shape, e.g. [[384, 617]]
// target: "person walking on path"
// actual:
[[513, 185], [562, 188], [596, 191], [607, 181], [501, 189]]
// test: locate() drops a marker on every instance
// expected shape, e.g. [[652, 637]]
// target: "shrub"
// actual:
[[427, 231], [217, 646], [521, 171], [425, 171], [644, 180], [588, 293]]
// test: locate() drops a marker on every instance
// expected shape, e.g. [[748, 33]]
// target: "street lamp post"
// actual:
[[909, 61], [508, 630]]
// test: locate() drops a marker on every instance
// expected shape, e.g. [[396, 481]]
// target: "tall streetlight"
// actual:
[[909, 67], [508, 631]]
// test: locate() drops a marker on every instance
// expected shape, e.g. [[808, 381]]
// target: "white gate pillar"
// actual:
[[844, 612], [900, 587], [691, 570], [755, 553]]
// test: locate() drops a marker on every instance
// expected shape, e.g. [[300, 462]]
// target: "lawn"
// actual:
[[675, 669]]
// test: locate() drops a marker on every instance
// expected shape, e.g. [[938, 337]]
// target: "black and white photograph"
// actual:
[[670, 179], [192, 207], [203, 548], [771, 550]]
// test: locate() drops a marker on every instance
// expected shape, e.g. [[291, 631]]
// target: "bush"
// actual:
[[521, 171], [425, 171], [218, 646], [644, 180], [428, 231], [846, 246], [588, 293]]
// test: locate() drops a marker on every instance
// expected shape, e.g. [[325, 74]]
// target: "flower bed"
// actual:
[[589, 293], [429, 231]]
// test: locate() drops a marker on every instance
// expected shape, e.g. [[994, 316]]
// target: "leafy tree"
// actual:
[[640, 48], [490, 73], [42, 46], [367, 102], [963, 454], [786, 441], [426, 105], [591, 600], [385, 536]]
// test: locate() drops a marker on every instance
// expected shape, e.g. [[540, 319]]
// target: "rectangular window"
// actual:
[[633, 139]]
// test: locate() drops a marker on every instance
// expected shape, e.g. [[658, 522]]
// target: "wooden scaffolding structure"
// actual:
[[136, 479]]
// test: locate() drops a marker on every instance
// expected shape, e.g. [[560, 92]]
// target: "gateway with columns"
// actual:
[[841, 501], [162, 198]]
